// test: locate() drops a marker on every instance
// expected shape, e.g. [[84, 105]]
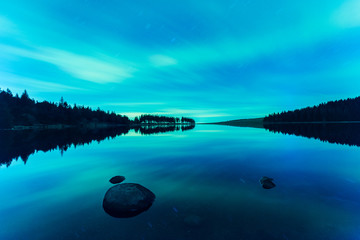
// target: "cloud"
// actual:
[[6, 26], [87, 68], [348, 15], [19, 83], [82, 67], [162, 60]]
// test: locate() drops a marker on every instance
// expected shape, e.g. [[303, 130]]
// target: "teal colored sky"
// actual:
[[210, 60]]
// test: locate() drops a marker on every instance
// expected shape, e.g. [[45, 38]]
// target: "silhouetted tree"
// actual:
[[341, 110], [24, 111]]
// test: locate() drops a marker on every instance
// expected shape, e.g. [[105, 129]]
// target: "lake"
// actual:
[[206, 182]]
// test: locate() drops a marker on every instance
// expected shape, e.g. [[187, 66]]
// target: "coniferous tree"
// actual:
[[24, 111], [332, 111]]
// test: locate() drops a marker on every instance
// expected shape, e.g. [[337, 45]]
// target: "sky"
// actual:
[[210, 60]]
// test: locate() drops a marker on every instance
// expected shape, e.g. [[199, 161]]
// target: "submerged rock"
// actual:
[[127, 200], [267, 182], [117, 179]]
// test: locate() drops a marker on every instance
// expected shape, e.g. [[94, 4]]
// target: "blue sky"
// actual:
[[210, 60]]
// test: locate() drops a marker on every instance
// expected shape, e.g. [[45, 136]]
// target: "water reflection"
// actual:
[[21, 144], [340, 133]]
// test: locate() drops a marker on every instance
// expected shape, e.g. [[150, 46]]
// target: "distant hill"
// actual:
[[24, 112], [333, 111], [250, 122]]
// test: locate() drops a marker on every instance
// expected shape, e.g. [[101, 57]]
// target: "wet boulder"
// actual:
[[127, 200], [117, 179], [267, 182]]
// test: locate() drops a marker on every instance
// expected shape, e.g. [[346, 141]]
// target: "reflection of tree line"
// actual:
[[341, 133], [153, 129], [15, 144]]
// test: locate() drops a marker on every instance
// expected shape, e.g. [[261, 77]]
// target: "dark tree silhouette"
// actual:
[[334, 122], [83, 125], [24, 111], [333, 111]]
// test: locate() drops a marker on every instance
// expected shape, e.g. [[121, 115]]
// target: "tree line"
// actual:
[[24, 111], [333, 111]]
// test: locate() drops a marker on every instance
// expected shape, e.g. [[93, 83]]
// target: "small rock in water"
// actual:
[[267, 182], [127, 200], [117, 179]]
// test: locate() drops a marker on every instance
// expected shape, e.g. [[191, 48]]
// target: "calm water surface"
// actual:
[[206, 183]]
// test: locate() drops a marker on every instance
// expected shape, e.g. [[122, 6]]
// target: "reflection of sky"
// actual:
[[211, 171], [208, 60]]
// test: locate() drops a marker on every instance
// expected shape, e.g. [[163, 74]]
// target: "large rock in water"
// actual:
[[127, 200]]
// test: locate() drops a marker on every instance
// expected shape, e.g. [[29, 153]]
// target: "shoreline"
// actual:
[[323, 122], [260, 123], [90, 126], [248, 122]]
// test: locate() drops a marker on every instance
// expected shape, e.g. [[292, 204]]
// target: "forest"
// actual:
[[333, 111], [24, 111]]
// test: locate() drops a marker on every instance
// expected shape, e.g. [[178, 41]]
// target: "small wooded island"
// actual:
[[24, 113]]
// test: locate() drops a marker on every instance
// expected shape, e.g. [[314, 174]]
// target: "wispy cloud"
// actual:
[[19, 83], [87, 68], [6, 26], [162, 60], [82, 67], [348, 15]]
